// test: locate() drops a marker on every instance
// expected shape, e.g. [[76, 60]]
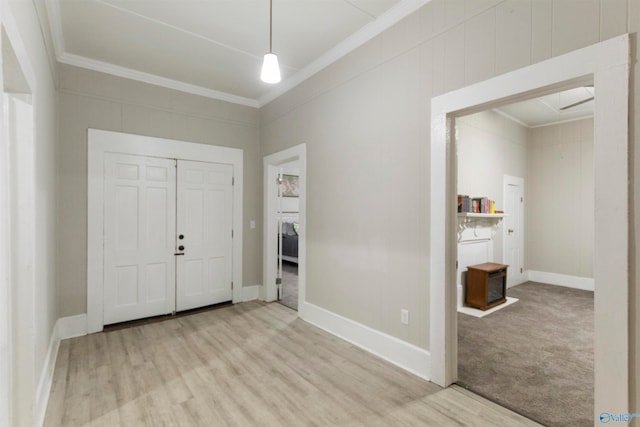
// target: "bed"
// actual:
[[290, 242]]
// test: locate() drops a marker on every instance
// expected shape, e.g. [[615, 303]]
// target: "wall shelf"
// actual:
[[478, 226], [480, 215]]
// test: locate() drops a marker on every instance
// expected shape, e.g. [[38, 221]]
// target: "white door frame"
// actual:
[[606, 65], [21, 387], [5, 272], [516, 181], [23, 268], [270, 231], [101, 142]]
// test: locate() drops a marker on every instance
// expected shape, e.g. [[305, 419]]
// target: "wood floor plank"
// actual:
[[248, 364]]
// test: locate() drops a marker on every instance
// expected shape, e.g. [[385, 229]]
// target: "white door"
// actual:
[[139, 237], [513, 230], [204, 234]]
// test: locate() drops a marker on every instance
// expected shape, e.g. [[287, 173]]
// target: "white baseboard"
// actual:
[[402, 354], [72, 326], [46, 377], [65, 327], [250, 293], [584, 283]]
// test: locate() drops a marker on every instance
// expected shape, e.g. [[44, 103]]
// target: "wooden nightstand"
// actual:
[[486, 285]]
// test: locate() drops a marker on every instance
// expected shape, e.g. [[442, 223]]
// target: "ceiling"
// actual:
[[215, 47], [548, 109]]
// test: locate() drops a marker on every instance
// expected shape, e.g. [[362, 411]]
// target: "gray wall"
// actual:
[[365, 120], [490, 146], [560, 202], [89, 99]]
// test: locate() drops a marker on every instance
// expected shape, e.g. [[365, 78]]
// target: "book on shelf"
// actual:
[[483, 205], [464, 203]]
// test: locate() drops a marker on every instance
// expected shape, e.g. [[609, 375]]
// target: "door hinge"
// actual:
[[232, 234], [233, 180], [521, 199], [231, 285], [456, 265]]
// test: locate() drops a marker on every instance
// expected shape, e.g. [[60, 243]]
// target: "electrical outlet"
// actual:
[[404, 316]]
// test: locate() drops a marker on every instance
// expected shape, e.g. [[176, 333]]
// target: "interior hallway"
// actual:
[[247, 364]]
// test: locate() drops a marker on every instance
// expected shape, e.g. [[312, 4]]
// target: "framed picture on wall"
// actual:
[[290, 186]]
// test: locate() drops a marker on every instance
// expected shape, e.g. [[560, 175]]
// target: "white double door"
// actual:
[[167, 236]]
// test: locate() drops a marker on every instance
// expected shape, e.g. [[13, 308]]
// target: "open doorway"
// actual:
[[606, 65], [534, 352], [284, 227], [288, 182]]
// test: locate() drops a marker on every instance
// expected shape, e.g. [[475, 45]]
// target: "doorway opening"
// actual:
[[288, 182], [606, 65], [284, 251], [533, 353]]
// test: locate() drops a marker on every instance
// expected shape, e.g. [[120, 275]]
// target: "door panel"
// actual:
[[514, 239], [204, 218], [139, 237]]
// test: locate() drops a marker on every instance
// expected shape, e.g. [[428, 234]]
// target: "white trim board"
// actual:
[[101, 142], [64, 328], [250, 293], [400, 353], [576, 282], [71, 326], [46, 377], [606, 65]]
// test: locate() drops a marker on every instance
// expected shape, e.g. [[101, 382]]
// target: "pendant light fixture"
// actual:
[[270, 68]]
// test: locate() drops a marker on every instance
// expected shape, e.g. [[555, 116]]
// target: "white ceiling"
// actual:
[[547, 110], [215, 47]]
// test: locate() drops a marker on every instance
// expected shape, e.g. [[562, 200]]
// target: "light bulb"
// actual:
[[270, 69]]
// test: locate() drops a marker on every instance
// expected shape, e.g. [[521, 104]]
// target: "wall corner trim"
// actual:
[[251, 293], [71, 326], [46, 378], [65, 327], [400, 353]]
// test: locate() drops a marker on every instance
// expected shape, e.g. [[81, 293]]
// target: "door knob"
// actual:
[[181, 236], [181, 248], [510, 231]]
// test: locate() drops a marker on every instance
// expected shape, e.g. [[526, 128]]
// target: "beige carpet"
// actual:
[[534, 357]]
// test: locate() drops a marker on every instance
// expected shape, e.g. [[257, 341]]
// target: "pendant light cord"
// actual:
[[270, 26]]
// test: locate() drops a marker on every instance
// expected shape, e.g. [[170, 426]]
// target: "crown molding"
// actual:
[[398, 12], [357, 39], [55, 23], [128, 73], [510, 117]]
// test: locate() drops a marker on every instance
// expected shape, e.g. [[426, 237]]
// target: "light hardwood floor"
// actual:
[[244, 365]]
